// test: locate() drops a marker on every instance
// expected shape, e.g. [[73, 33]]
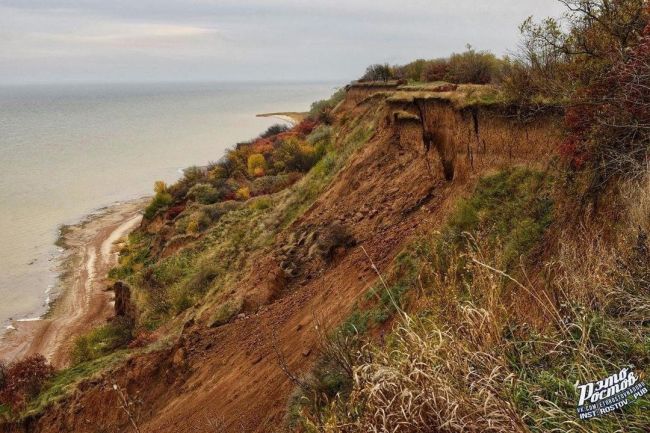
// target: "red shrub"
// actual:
[[23, 380], [305, 127], [175, 211], [285, 135], [261, 145], [609, 122]]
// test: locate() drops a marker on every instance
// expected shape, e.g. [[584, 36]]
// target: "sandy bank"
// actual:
[[292, 117], [83, 303]]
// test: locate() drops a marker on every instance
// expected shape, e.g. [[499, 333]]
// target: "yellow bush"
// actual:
[[256, 165], [159, 187], [193, 226], [243, 193]]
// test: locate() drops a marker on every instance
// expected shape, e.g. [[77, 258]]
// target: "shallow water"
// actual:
[[66, 150]]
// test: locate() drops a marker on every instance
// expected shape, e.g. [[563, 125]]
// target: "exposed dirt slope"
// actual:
[[230, 375]]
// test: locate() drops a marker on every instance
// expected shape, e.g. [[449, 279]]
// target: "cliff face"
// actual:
[[421, 154]]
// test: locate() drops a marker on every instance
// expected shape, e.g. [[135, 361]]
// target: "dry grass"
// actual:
[[431, 379], [465, 362], [466, 95]]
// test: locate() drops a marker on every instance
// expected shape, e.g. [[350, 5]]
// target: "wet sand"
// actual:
[[91, 251]]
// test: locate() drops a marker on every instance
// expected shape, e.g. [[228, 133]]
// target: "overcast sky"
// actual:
[[207, 40]]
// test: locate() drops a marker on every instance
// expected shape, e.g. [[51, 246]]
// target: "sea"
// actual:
[[67, 150]]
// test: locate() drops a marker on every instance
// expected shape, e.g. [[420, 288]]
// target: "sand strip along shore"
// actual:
[[83, 302], [292, 117]]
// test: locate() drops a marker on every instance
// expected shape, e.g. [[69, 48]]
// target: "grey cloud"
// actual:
[[224, 39]]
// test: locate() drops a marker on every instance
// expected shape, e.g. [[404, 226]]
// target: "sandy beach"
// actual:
[[83, 302], [292, 117]]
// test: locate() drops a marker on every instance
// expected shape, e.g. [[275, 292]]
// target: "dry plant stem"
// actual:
[[552, 311], [124, 402], [383, 282], [284, 365]]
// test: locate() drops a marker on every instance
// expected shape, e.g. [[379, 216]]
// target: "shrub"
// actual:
[[305, 127], [23, 381], [609, 124], [274, 130], [222, 170], [159, 187], [256, 165], [191, 176], [271, 184], [322, 110], [237, 161], [478, 67], [411, 71], [378, 72], [160, 200], [102, 340], [198, 221], [204, 193], [295, 155], [243, 193], [435, 70]]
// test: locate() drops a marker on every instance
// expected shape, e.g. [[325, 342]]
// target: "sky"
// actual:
[[230, 40]]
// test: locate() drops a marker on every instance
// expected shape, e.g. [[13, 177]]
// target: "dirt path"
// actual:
[[83, 302]]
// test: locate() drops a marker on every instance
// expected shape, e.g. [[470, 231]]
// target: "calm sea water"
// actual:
[[67, 150]]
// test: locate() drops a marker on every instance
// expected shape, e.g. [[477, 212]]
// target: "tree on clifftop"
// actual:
[[378, 72]]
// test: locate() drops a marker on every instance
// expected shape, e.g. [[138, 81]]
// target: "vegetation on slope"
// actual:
[[486, 324], [495, 330], [223, 216], [508, 311]]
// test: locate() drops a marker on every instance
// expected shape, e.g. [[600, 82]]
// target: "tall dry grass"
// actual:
[[465, 362]]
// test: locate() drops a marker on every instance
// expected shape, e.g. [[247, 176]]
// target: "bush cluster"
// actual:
[[21, 381], [160, 200], [264, 165], [468, 67], [595, 63]]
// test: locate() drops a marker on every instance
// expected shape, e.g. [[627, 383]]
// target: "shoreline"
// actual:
[[292, 117], [81, 301]]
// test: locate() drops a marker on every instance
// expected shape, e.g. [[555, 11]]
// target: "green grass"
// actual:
[[133, 256], [101, 341], [466, 96], [513, 208], [65, 381], [512, 205], [504, 222], [226, 312], [160, 201]]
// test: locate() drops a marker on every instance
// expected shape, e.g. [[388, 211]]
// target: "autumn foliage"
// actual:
[[609, 119], [23, 380], [264, 165], [595, 64]]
